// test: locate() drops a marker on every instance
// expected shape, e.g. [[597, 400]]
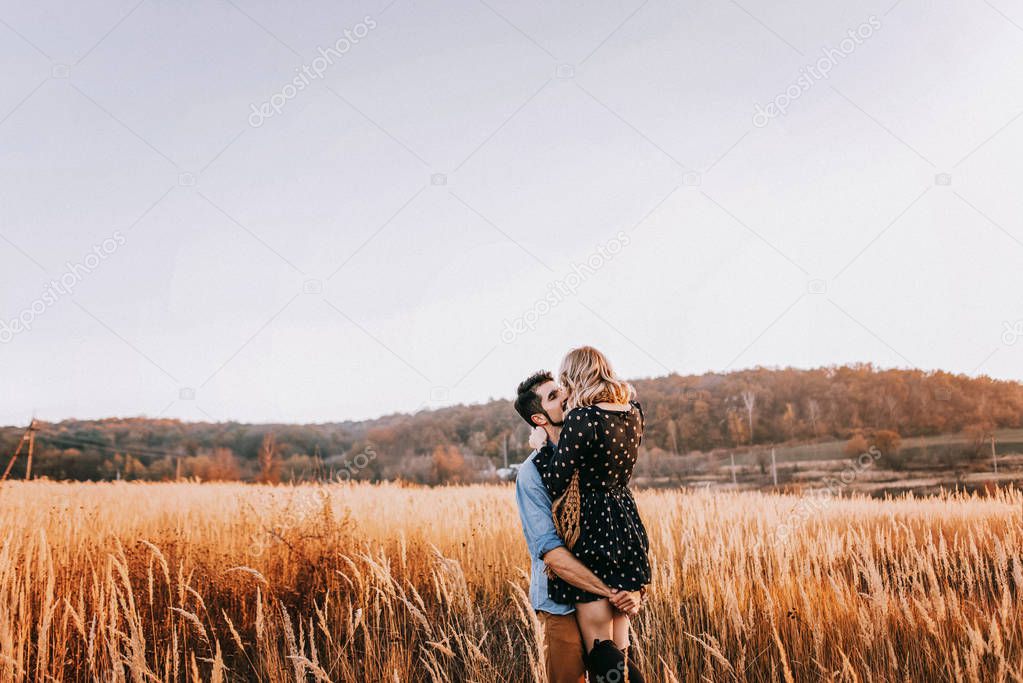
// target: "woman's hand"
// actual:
[[537, 438], [626, 601]]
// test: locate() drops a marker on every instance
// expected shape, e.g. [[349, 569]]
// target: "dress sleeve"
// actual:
[[642, 419], [575, 443]]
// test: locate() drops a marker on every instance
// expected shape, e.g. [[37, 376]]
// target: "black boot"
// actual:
[[606, 664], [634, 675]]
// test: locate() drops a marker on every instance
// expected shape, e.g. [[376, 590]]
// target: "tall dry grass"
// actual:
[[222, 582]]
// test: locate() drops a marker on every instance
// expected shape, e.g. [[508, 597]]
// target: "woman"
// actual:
[[594, 509]]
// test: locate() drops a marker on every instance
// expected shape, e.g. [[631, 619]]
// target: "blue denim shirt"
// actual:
[[535, 512]]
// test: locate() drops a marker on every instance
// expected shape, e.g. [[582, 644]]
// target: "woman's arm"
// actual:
[[574, 444]]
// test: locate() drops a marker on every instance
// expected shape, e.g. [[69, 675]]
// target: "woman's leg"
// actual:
[[620, 629], [605, 634], [596, 621]]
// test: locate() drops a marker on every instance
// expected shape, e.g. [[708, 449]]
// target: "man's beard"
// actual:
[[551, 422]]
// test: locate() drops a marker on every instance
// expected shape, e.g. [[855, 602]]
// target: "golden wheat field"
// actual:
[[221, 582]]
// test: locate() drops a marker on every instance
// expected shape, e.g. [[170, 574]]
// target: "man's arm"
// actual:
[[569, 568], [535, 512], [534, 505]]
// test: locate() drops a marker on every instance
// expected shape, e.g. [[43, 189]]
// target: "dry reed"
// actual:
[[224, 582]]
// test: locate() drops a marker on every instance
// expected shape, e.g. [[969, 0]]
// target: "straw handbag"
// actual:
[[565, 513]]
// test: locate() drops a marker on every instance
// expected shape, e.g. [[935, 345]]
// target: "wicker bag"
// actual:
[[565, 513]]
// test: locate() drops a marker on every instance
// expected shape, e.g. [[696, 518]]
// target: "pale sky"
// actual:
[[368, 247]]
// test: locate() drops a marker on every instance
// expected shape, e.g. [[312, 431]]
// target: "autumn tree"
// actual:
[[448, 465], [269, 460], [887, 442], [813, 413], [789, 421], [736, 428], [223, 466], [673, 435], [749, 399], [977, 436], [856, 445]]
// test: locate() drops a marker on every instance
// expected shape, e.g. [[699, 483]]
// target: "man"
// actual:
[[541, 402]]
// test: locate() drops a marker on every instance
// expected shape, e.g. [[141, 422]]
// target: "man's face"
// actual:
[[552, 400]]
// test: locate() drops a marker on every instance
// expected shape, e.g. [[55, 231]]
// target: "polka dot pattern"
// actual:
[[603, 446]]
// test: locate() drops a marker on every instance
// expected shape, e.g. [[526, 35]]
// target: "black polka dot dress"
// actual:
[[603, 445]]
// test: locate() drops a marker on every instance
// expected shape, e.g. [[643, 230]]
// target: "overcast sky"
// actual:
[[323, 211]]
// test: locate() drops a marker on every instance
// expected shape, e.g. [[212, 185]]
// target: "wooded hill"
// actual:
[[685, 415]]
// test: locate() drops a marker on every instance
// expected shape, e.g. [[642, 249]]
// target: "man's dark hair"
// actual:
[[527, 402]]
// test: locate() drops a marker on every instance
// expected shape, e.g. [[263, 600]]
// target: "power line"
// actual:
[[62, 439], [112, 449]]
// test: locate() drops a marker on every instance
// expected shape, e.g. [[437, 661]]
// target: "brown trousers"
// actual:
[[563, 648]]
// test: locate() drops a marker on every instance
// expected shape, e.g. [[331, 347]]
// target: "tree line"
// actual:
[[686, 415]]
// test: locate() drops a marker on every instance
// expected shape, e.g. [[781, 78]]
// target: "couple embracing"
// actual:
[[588, 546]]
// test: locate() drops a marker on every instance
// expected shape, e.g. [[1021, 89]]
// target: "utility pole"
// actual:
[[994, 457], [733, 468], [31, 445], [506, 450], [27, 437], [774, 467], [14, 457]]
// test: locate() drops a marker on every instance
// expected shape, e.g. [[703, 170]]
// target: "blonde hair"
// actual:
[[589, 379]]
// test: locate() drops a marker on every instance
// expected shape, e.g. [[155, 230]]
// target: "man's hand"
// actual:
[[626, 601]]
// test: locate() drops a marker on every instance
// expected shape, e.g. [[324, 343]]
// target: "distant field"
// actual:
[[374, 583], [928, 464], [1007, 440]]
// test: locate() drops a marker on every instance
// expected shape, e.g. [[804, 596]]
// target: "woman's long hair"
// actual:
[[589, 379]]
